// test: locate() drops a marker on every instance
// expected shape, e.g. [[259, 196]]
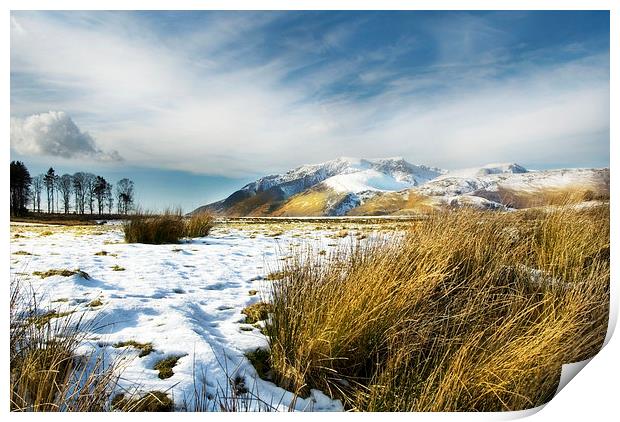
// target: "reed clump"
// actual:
[[466, 311], [46, 371], [168, 227], [199, 225]]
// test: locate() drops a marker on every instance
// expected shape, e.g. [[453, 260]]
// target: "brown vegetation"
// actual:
[[169, 227], [46, 373], [469, 311]]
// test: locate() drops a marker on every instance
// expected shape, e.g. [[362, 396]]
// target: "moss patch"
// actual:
[[117, 268], [165, 366], [257, 312], [62, 273], [144, 348], [153, 401]]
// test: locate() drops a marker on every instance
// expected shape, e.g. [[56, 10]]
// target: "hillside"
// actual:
[[351, 186]]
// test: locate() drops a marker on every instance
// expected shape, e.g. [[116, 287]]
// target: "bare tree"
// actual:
[[57, 192], [109, 197], [37, 187], [100, 187], [79, 191], [89, 191], [124, 195], [65, 186], [49, 179]]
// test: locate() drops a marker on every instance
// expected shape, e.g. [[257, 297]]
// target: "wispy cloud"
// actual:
[[246, 93]]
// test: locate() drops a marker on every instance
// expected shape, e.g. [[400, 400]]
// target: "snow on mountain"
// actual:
[[461, 182], [340, 186], [390, 174], [495, 168], [347, 174]]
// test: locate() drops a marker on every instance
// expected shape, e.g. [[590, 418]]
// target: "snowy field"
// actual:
[[186, 299]]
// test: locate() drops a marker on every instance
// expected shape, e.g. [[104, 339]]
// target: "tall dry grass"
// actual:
[[168, 227], [46, 371], [199, 225], [467, 311]]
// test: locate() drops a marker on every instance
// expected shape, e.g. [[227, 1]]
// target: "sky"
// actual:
[[193, 105]]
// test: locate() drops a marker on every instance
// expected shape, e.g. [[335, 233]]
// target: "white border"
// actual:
[[593, 393]]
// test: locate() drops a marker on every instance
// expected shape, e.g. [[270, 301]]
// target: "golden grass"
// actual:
[[62, 273], [199, 225], [256, 312], [46, 373], [144, 348], [468, 311], [153, 401], [550, 196], [95, 303], [169, 227]]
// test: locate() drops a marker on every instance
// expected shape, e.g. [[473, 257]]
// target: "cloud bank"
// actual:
[[55, 134]]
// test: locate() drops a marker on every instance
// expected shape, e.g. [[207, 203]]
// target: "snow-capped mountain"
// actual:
[[346, 174], [358, 186], [342, 175]]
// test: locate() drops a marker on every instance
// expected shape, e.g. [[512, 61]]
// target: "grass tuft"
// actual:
[[169, 227], [144, 348], [62, 273], [95, 303], [153, 401], [22, 253], [199, 225], [256, 312], [165, 366], [46, 372], [261, 361]]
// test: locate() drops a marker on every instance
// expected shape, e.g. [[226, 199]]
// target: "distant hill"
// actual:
[[387, 186]]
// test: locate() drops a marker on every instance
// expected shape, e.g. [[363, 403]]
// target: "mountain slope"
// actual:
[[351, 186], [331, 182], [496, 191]]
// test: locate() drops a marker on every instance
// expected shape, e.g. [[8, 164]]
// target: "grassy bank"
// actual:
[[467, 311]]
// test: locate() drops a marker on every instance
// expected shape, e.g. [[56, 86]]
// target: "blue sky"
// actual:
[[192, 105]]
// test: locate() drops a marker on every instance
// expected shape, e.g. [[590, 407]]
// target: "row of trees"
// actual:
[[58, 193]]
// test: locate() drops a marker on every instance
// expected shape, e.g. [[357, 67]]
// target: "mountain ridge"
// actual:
[[383, 186]]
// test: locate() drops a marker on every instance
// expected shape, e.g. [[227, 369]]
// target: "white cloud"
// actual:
[[185, 102], [55, 134]]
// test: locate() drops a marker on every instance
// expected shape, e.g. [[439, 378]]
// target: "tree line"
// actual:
[[81, 192]]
